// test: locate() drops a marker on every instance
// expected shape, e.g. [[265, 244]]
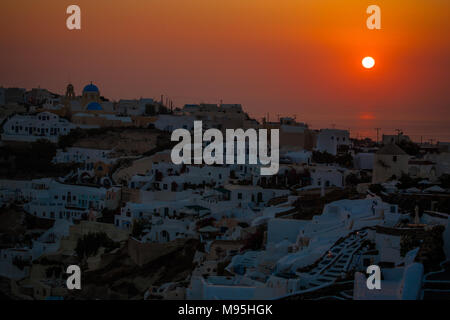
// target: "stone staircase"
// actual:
[[333, 267]]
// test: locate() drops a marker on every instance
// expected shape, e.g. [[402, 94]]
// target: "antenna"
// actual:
[[378, 130], [399, 132]]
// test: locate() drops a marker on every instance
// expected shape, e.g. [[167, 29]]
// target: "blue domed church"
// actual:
[[90, 99], [94, 106]]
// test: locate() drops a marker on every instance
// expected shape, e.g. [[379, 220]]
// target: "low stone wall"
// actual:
[[142, 253]]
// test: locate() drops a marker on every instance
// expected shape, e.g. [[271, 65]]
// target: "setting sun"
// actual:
[[368, 62]]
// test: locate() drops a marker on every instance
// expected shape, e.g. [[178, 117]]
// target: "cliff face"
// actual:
[[121, 277], [124, 142]]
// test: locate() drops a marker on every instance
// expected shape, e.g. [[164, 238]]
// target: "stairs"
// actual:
[[333, 265]]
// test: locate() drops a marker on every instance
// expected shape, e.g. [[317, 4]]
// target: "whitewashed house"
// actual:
[[364, 161], [15, 263], [169, 123], [165, 230], [134, 211], [327, 176], [29, 128], [82, 155], [339, 218], [328, 140], [242, 195], [64, 201]]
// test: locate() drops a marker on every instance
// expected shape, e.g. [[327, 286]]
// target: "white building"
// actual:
[[364, 161], [63, 201], [49, 241], [165, 230], [390, 162], [315, 237], [29, 128], [134, 211], [14, 190], [169, 123], [299, 157], [394, 138], [327, 176], [329, 140], [10, 260], [242, 195], [82, 155]]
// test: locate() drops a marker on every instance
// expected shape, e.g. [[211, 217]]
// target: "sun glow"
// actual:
[[368, 62]]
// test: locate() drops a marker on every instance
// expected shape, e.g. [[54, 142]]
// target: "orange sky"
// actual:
[[284, 57]]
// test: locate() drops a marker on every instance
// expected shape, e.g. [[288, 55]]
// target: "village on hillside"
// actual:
[[88, 181]]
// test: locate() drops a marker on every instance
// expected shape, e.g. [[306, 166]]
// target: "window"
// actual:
[[239, 196], [394, 158]]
